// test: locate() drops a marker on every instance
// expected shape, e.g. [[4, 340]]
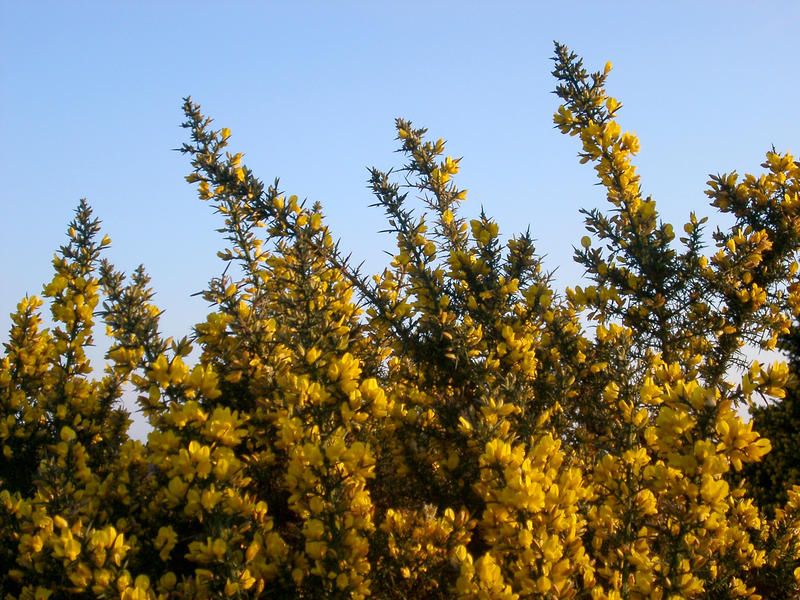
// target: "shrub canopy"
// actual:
[[452, 427]]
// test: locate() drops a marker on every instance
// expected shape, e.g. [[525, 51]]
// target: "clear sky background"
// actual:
[[90, 106]]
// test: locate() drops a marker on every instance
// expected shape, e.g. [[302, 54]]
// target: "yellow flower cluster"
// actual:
[[450, 428]]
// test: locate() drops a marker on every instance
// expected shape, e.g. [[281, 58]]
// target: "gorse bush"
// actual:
[[449, 428]]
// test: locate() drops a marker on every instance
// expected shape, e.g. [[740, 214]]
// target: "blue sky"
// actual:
[[90, 97]]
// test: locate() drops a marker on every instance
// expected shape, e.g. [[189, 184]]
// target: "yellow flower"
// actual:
[[165, 541]]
